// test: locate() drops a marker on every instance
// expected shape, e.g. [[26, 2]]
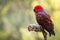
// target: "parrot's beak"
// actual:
[[34, 10]]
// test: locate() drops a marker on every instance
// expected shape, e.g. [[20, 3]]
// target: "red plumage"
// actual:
[[44, 19]]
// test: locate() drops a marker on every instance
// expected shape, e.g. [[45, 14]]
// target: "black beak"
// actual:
[[34, 10]]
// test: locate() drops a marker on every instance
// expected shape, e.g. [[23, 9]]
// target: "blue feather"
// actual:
[[41, 12]]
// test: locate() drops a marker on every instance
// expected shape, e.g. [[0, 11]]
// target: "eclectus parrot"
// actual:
[[44, 19]]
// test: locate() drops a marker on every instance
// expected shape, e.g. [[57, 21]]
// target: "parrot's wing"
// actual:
[[48, 24], [45, 21]]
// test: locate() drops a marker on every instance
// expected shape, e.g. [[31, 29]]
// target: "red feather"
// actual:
[[38, 8]]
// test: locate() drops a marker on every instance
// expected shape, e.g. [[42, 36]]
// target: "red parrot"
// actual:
[[44, 19]]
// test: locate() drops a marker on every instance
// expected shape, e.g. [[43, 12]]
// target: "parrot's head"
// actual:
[[38, 8]]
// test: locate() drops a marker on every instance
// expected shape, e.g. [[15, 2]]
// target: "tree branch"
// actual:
[[37, 28]]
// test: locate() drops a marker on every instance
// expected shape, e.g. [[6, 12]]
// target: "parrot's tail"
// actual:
[[52, 32]]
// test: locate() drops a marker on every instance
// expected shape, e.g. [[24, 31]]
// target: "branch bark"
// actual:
[[37, 28]]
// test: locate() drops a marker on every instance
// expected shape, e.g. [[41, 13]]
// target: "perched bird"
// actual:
[[44, 19]]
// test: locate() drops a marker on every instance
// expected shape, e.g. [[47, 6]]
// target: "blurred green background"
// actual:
[[16, 15]]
